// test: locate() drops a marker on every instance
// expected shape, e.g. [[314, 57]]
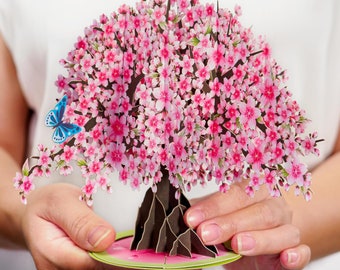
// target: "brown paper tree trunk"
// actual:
[[160, 225]]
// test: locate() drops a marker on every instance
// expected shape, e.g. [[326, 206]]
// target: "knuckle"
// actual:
[[286, 211], [289, 213], [230, 228], [213, 205], [78, 225], [268, 216], [296, 235], [241, 198]]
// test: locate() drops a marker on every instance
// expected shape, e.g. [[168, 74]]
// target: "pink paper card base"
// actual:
[[119, 254]]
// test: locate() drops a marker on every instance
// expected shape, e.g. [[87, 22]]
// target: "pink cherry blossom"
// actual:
[[184, 88], [68, 153], [163, 96], [27, 185], [249, 113], [61, 83], [89, 188], [44, 159], [256, 156], [296, 172]]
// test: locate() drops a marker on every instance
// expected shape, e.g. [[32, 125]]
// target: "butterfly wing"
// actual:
[[55, 116], [65, 130], [54, 119], [51, 119]]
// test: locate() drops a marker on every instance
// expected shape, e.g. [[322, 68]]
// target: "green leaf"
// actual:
[[194, 41], [154, 75], [163, 25], [260, 120], [177, 18], [25, 172], [238, 123], [221, 162], [136, 131], [209, 30], [95, 46], [26, 168], [180, 178], [192, 158], [283, 171], [149, 11], [214, 116], [81, 163], [60, 163], [303, 119], [198, 127], [235, 43]]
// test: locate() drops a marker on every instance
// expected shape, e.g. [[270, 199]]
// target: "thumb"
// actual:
[[78, 221]]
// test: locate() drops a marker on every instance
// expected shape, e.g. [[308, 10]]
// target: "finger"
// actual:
[[260, 216], [80, 223], [271, 241], [51, 248], [295, 258], [220, 203], [263, 262], [67, 256]]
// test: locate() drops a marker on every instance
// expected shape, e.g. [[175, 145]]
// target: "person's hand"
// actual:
[[274, 262], [59, 229], [260, 228]]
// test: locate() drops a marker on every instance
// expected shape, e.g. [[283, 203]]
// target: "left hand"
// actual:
[[260, 226], [60, 229]]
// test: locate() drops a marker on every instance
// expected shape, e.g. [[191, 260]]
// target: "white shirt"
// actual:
[[304, 36]]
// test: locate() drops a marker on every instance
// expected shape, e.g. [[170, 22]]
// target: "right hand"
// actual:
[[260, 228], [274, 262], [59, 229]]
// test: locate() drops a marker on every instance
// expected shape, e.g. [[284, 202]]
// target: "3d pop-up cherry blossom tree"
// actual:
[[172, 94]]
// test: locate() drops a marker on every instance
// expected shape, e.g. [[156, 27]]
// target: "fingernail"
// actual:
[[292, 257], [195, 218], [98, 235], [245, 243], [211, 233]]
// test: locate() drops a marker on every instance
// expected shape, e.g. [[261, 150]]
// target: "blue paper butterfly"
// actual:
[[54, 119]]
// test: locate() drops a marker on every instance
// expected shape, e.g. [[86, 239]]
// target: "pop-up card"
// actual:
[[173, 94]]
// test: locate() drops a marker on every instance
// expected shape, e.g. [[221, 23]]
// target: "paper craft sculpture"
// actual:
[[172, 94], [160, 224]]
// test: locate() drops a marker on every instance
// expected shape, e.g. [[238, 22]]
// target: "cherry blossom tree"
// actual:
[[176, 92]]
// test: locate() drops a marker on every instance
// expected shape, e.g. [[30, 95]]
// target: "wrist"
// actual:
[[11, 219], [11, 208]]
